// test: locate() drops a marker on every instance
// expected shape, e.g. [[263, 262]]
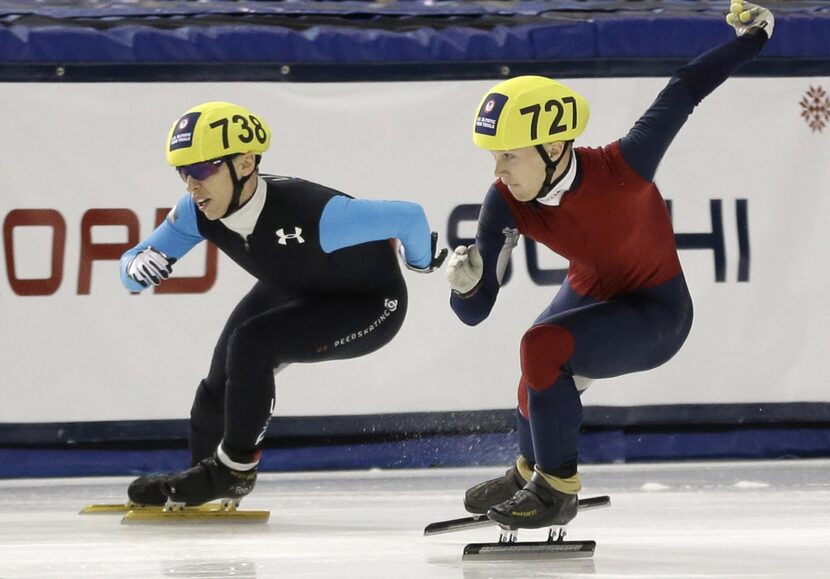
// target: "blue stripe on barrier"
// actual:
[[491, 449], [666, 418]]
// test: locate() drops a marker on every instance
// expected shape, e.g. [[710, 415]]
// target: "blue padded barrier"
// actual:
[[399, 32]]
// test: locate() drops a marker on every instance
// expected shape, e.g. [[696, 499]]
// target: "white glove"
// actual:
[[464, 269], [743, 16], [150, 267]]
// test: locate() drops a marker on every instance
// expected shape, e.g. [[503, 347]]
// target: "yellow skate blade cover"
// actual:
[[215, 514], [110, 508]]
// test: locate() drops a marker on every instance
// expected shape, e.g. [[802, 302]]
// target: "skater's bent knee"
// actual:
[[544, 351]]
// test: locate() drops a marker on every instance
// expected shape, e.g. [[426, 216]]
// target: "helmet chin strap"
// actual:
[[550, 168], [238, 185]]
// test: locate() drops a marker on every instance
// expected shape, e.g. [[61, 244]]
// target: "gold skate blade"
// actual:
[[109, 508], [216, 514]]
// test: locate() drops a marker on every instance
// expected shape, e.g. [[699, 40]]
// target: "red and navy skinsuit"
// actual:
[[624, 306]]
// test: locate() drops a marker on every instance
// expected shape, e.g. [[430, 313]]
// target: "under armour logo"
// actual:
[[391, 305], [284, 237]]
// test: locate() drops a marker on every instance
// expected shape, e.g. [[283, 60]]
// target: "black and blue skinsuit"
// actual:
[[328, 287]]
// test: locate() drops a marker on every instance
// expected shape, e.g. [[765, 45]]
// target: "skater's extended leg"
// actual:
[[207, 415], [307, 330], [632, 333], [314, 330], [482, 496]]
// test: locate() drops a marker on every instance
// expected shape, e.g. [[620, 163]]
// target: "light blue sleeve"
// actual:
[[346, 222], [176, 235]]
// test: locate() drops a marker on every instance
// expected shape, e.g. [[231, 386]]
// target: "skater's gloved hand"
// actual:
[[438, 257], [150, 267], [464, 269], [742, 16]]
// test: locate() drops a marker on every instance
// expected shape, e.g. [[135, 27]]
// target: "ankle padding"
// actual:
[[571, 485], [525, 469], [236, 461]]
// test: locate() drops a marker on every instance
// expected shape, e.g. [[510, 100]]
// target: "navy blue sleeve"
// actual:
[[644, 146], [496, 237]]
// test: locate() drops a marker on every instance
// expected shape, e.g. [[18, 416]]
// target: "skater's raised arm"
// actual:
[[646, 143]]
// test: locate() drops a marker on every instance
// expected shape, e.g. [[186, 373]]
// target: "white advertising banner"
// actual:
[[84, 177]]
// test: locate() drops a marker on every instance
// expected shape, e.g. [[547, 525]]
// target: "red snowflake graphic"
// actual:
[[816, 108]]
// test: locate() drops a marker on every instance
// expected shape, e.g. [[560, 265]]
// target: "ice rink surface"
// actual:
[[713, 519]]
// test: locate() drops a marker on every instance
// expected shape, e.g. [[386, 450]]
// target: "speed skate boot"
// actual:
[[210, 479], [148, 490], [539, 504], [480, 498]]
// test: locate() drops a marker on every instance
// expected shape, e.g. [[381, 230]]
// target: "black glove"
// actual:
[[437, 260]]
